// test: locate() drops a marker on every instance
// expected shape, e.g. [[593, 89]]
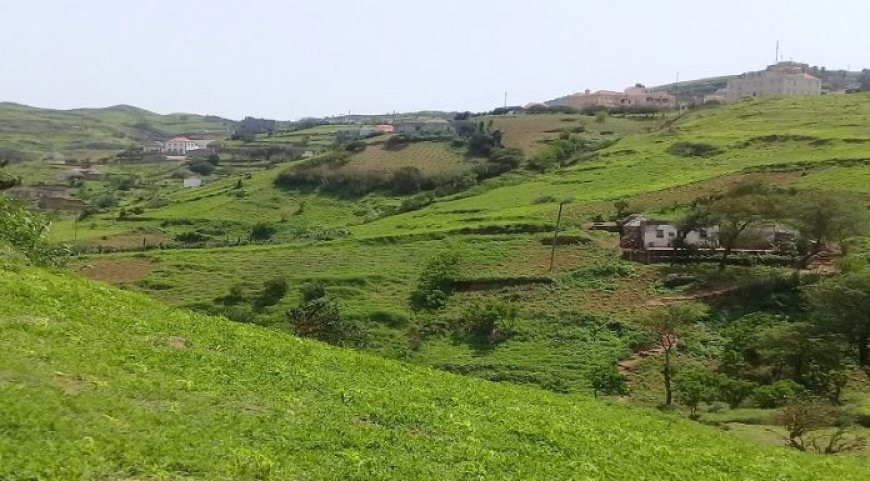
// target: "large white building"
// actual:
[[782, 79], [181, 145]]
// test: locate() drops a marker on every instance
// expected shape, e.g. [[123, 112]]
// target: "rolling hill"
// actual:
[[30, 133], [118, 386]]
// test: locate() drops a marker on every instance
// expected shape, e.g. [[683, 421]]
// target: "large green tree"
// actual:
[[824, 217], [841, 305]]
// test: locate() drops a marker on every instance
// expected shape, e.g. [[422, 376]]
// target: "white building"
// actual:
[[664, 234], [782, 79], [181, 145]]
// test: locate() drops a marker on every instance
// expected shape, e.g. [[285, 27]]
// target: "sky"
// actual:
[[291, 59]]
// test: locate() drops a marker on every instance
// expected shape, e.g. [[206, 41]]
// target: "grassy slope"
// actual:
[[119, 387], [639, 164], [92, 132]]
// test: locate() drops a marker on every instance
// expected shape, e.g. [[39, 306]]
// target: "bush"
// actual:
[[312, 290], [213, 159], [492, 320], [689, 149], [437, 282], [106, 202], [320, 319], [734, 391], [777, 394], [123, 182], [356, 146], [407, 180], [201, 167], [28, 233], [261, 231], [273, 290], [606, 379]]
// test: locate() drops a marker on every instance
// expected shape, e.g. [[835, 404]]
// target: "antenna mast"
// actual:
[[777, 52]]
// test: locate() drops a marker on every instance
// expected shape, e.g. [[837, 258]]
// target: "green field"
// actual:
[[121, 387]]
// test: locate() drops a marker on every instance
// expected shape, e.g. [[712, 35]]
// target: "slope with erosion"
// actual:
[[121, 387]]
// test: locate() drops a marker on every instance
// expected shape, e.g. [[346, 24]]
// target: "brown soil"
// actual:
[[177, 342], [116, 271]]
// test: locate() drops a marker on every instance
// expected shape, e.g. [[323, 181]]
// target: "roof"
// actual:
[[180, 138]]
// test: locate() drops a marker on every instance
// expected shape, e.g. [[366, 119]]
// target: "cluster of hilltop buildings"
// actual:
[[781, 79]]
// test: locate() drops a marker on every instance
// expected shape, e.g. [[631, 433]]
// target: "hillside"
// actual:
[[121, 387], [30, 133]]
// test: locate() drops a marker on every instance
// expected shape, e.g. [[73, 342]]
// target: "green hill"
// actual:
[[100, 384], [30, 133]]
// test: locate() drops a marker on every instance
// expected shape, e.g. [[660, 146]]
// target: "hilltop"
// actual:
[[121, 387], [31, 133]]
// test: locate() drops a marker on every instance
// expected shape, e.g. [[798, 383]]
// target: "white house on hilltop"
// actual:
[[782, 79], [181, 145]]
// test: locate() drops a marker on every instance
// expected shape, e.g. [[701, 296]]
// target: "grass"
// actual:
[[121, 387]]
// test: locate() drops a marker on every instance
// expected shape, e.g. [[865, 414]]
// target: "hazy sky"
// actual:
[[288, 59]]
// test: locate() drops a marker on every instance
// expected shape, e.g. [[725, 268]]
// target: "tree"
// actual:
[[797, 351], [491, 320], [841, 305], [407, 180], [666, 325], [606, 379], [213, 159], [273, 290], [694, 386], [822, 217], [739, 208], [437, 281], [321, 319]]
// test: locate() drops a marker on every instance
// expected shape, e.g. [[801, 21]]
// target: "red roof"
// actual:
[[180, 138]]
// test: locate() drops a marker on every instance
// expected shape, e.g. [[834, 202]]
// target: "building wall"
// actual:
[[778, 80], [663, 235]]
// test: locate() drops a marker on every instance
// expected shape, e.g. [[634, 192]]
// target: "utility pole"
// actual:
[[556, 236], [505, 99], [75, 227], [777, 53]]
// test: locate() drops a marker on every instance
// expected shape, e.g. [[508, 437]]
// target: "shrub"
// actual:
[[492, 320], [437, 282], [312, 290], [123, 182], [407, 180], [606, 379], [273, 290], [356, 146], [777, 394], [28, 233], [690, 149], [201, 167], [106, 202], [320, 319], [734, 391], [262, 231], [213, 159]]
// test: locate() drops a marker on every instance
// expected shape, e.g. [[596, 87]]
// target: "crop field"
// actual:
[[120, 386], [429, 157]]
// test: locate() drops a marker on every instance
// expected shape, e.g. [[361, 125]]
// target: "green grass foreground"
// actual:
[[96, 383]]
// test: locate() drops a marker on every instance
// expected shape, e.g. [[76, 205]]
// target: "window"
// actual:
[[660, 233], [703, 233]]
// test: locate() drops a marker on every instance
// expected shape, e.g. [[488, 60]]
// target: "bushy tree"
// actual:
[[437, 281], [841, 305], [823, 217], [694, 386], [274, 290]]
